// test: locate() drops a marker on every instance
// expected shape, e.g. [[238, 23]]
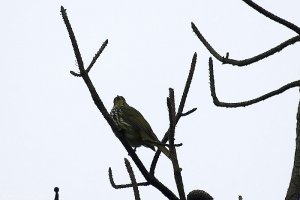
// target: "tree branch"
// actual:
[[244, 103], [180, 109], [133, 180], [112, 182], [272, 16], [98, 102], [94, 59], [188, 112], [248, 61], [173, 154], [293, 192]]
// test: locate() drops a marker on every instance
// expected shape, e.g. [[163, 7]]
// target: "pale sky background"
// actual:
[[53, 135]]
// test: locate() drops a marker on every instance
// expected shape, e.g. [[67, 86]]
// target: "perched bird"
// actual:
[[136, 129]]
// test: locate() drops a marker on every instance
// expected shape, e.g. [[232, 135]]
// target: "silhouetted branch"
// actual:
[[98, 102], [188, 112], [244, 103], [248, 61], [173, 154], [133, 180], [56, 190], [94, 59], [180, 109], [293, 191], [272, 16], [111, 179], [186, 87]]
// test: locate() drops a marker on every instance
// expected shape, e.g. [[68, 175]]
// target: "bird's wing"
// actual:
[[136, 119]]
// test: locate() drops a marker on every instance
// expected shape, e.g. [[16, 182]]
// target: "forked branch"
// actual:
[[121, 186], [219, 103], [180, 109]]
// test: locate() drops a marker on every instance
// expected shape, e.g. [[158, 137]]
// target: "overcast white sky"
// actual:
[[53, 135]]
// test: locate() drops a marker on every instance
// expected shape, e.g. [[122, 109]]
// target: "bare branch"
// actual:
[[248, 61], [133, 180], [180, 109], [272, 16], [188, 112], [244, 103], [111, 179], [75, 74], [293, 191], [173, 154], [97, 56], [186, 87], [94, 59], [98, 102]]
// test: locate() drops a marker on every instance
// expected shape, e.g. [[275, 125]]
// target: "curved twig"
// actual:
[[248, 61], [180, 109], [272, 16], [98, 102], [244, 103]]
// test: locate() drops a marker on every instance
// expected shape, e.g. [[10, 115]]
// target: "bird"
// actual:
[[135, 127]]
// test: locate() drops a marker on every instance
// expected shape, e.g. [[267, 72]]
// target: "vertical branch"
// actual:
[[294, 187], [180, 109], [176, 168], [133, 180]]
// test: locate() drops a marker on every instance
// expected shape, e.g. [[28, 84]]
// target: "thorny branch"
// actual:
[[244, 103], [98, 102]]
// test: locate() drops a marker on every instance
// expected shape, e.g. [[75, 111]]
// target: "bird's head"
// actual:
[[119, 101]]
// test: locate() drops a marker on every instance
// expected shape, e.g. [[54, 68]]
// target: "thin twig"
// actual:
[[98, 102], [186, 87], [133, 180], [97, 56], [272, 16], [188, 112], [180, 109], [173, 154], [120, 186], [248, 61], [244, 103]]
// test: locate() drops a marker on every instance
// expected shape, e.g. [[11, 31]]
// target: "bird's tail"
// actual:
[[163, 149]]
